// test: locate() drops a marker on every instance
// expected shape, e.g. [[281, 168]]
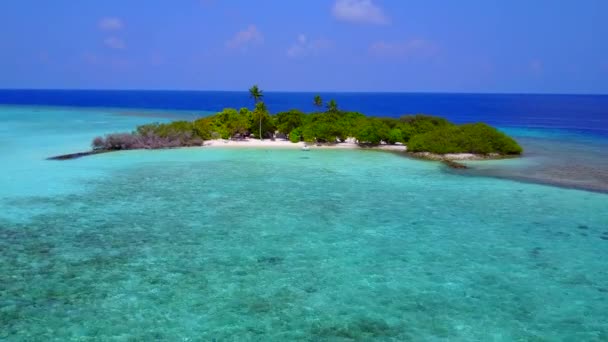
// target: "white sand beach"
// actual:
[[256, 143]]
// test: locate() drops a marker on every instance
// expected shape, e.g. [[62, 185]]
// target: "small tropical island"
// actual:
[[421, 136]]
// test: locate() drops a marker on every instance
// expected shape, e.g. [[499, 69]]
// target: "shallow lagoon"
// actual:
[[283, 245]]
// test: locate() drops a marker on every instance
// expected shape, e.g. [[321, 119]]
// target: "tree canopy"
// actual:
[[476, 138], [332, 106], [255, 93], [318, 101]]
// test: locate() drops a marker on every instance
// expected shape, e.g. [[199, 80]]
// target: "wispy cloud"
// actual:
[[359, 11], [249, 36], [305, 47], [115, 43], [111, 24], [405, 49]]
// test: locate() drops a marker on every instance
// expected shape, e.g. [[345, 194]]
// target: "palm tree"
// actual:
[[332, 106], [318, 101], [256, 94], [261, 113]]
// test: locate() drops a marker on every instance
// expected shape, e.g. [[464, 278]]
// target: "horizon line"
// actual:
[[308, 91]]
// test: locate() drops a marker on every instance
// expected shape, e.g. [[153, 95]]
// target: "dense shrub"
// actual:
[[203, 128], [331, 127], [98, 143], [286, 122], [412, 125], [295, 135], [323, 127], [395, 135], [471, 138], [148, 140], [372, 131], [122, 141]]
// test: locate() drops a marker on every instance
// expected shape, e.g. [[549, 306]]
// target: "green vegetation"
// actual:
[[332, 106], [287, 122], [256, 94], [419, 124], [422, 133], [318, 101], [471, 138]]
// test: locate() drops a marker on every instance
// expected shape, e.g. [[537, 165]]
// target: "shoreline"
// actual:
[[450, 159], [286, 144], [460, 156]]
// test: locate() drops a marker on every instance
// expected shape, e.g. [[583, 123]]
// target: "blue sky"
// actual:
[[521, 46]]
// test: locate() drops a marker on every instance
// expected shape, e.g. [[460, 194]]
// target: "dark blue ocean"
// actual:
[[587, 113]]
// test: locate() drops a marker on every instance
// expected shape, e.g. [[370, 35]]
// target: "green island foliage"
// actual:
[[476, 138], [421, 133]]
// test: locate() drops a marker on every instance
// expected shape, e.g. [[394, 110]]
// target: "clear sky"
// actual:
[[522, 46]]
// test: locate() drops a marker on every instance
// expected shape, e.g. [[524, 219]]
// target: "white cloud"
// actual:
[[305, 47], [115, 43], [111, 24], [410, 48], [250, 35], [359, 11]]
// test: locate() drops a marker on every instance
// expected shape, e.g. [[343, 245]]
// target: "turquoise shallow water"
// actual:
[[274, 245]]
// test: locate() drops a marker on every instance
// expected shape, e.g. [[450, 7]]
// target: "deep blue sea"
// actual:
[[588, 113], [229, 244]]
